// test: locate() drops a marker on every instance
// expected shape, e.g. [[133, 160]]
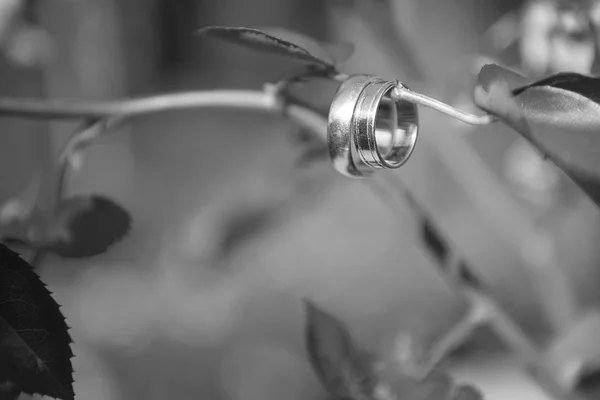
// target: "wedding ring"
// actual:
[[368, 129], [339, 126]]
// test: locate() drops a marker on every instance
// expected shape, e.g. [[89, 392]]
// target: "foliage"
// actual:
[[558, 114], [34, 339], [347, 371], [323, 59], [79, 227]]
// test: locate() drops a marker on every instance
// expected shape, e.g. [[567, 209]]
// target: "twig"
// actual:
[[69, 110], [429, 102], [483, 308], [50, 200]]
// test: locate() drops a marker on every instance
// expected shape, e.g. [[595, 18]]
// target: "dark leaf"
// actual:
[[35, 350], [467, 392], [467, 276], [322, 110], [312, 155], [259, 40], [437, 386], [434, 242], [340, 51], [87, 226], [312, 148], [333, 53], [9, 391], [575, 354], [589, 382], [559, 115], [344, 370], [412, 376], [242, 226]]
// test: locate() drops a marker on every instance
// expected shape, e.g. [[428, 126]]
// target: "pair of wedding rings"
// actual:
[[369, 128]]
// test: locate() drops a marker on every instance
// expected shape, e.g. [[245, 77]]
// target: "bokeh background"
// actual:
[[160, 317]]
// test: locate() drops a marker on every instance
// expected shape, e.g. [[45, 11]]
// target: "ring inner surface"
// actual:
[[396, 125]]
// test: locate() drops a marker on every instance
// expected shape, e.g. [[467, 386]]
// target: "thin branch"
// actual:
[[405, 94], [49, 200], [483, 307], [74, 109], [458, 335], [531, 356], [102, 117]]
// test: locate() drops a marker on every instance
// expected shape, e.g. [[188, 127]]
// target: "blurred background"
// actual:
[[203, 299]]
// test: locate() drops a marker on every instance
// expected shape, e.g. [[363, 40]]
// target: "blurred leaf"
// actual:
[[434, 242], [312, 155], [349, 372], [312, 148], [9, 391], [243, 225], [380, 17], [320, 109], [21, 207], [559, 115], [34, 340], [340, 51], [467, 392], [85, 226], [436, 386], [343, 369], [262, 41], [574, 355], [10, 13], [589, 382], [411, 377], [30, 46], [23, 42]]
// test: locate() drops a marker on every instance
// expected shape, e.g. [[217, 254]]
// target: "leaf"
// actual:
[[241, 226], [574, 355], [14, 211], [467, 392], [312, 148], [589, 382], [559, 115], [35, 350], [270, 43], [436, 386], [334, 53], [434, 242], [411, 376], [9, 391], [343, 369], [86, 226], [312, 155], [350, 373]]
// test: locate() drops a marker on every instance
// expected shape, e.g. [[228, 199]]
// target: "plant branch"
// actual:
[[74, 109], [483, 308], [405, 94], [102, 117], [271, 102]]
